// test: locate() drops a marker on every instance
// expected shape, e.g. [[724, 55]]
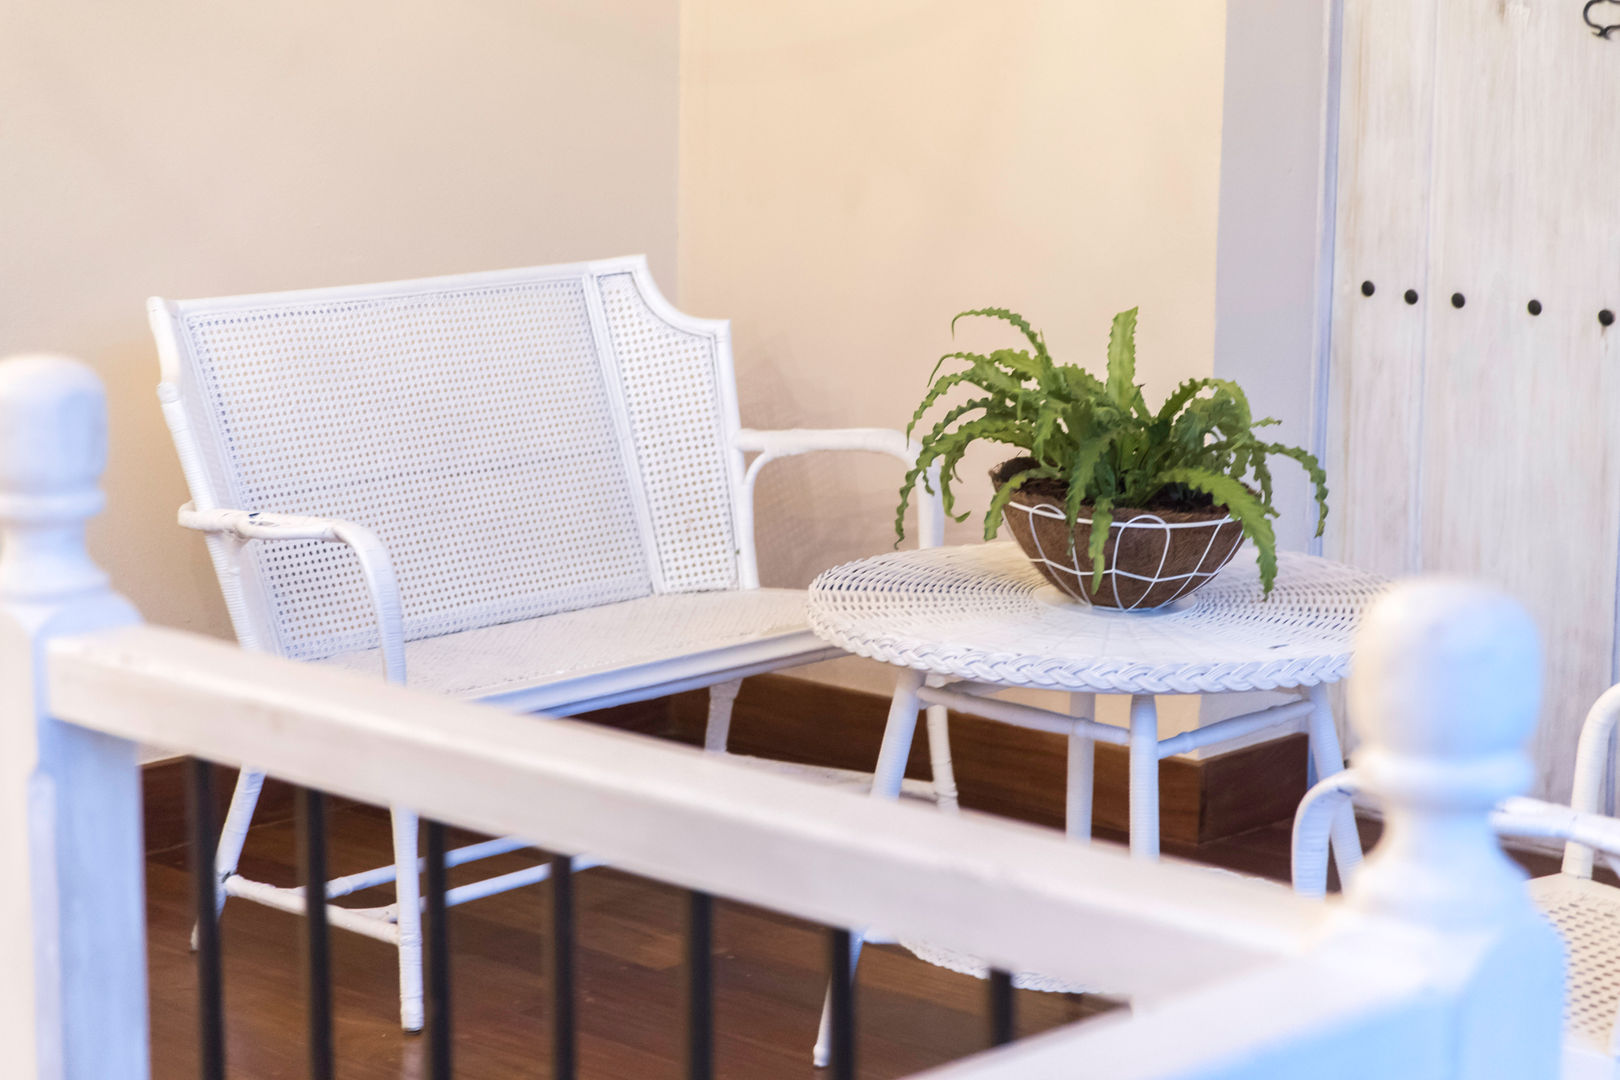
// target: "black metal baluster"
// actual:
[[1001, 1008], [841, 1056], [317, 953], [700, 987], [562, 968], [210, 978], [438, 956]]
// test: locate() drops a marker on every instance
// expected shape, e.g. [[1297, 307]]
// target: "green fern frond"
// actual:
[[1244, 415], [1046, 426], [1262, 474], [1019, 362], [1036, 341], [1314, 470], [1122, 360], [1009, 488], [986, 374], [1079, 476], [953, 356], [1102, 519], [1079, 383], [940, 388], [1244, 506], [1179, 397], [956, 445], [956, 413], [907, 486]]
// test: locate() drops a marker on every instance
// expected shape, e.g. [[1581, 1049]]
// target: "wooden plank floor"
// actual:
[[770, 977], [769, 972]]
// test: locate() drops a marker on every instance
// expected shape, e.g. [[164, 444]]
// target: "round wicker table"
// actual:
[[964, 623]]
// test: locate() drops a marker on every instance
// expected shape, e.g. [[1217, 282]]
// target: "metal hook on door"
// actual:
[[1598, 28]]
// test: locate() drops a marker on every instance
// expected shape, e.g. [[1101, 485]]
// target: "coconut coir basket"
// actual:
[[1151, 557]]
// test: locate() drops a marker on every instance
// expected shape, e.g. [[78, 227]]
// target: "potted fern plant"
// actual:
[[1115, 503]]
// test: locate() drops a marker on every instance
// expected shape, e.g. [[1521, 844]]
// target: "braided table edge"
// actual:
[[1015, 671]]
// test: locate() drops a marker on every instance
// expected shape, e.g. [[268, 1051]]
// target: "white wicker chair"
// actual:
[[1585, 912], [524, 487]]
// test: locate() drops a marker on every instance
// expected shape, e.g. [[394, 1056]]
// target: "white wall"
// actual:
[[1274, 273], [187, 148], [1273, 284], [855, 172]]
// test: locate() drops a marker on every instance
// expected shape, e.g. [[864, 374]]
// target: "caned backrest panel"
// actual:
[[524, 443], [673, 387]]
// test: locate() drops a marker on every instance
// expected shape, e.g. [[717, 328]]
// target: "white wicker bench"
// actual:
[[524, 487]]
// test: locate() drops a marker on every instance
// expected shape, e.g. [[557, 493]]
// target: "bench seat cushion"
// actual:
[[580, 658]]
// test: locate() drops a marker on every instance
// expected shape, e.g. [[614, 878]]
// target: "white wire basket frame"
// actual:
[[1073, 579]]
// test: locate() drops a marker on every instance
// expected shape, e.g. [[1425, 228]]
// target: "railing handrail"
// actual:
[[1016, 895], [1329, 1015]]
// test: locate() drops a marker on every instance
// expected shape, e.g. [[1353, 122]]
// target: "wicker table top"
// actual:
[[982, 612]]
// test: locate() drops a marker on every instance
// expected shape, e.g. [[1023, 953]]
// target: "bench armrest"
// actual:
[[375, 565], [1521, 816], [789, 442], [1313, 824], [1517, 817]]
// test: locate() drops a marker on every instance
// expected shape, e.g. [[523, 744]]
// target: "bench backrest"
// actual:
[[524, 442]]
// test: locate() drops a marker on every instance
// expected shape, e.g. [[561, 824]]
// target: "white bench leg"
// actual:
[[891, 770], [233, 835], [1329, 760], [408, 899], [1144, 777], [1082, 771], [722, 696]]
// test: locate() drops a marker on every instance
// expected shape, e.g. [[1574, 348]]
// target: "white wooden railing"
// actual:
[[1435, 965]]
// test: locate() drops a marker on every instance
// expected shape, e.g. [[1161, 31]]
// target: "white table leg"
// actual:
[[1329, 759], [1144, 777], [1082, 759], [886, 778], [897, 736]]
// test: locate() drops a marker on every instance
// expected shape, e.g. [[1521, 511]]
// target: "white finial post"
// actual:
[[72, 984], [1445, 695]]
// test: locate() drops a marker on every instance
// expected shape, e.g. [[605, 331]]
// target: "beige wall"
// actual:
[[854, 172], [193, 149], [850, 175]]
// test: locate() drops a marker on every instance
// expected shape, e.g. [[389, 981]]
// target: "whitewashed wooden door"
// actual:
[[1480, 172]]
